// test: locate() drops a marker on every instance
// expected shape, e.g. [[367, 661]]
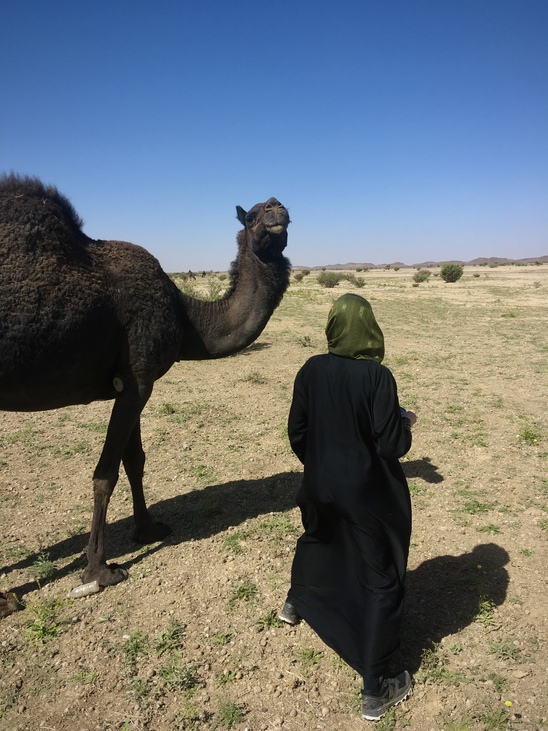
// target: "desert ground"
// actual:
[[191, 640]]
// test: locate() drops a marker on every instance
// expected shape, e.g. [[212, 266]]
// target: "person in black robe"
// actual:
[[347, 428]]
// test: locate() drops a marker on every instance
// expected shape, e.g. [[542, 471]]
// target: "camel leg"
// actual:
[[97, 568], [146, 530], [125, 416]]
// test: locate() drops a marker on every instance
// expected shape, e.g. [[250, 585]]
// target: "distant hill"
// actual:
[[480, 261]]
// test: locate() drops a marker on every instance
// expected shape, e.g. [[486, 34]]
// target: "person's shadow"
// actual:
[[445, 594], [442, 594], [422, 469]]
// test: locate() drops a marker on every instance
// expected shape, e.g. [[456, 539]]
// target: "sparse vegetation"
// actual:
[[245, 591], [43, 620], [529, 434], [231, 713], [196, 625], [43, 568]]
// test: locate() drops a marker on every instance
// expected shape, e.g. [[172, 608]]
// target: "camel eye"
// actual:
[[250, 218]]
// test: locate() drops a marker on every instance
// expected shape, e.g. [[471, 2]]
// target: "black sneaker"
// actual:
[[392, 691], [289, 614]]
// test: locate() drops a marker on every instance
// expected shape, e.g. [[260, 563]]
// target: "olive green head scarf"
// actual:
[[352, 331]]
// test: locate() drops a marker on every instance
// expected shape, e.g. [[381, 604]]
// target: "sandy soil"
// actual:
[[191, 640]]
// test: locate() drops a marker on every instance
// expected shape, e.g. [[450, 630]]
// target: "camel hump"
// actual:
[[17, 192], [35, 218]]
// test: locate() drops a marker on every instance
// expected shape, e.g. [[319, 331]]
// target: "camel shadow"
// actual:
[[253, 348], [191, 516], [443, 596], [422, 469]]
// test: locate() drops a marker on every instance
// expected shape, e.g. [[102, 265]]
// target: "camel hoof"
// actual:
[[152, 533], [9, 604], [106, 575]]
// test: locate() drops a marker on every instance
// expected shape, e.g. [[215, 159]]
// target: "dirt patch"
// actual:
[[191, 640]]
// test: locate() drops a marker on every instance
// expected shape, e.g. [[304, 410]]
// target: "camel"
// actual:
[[83, 320]]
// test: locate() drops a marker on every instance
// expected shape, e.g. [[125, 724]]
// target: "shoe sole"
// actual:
[[291, 622], [393, 705]]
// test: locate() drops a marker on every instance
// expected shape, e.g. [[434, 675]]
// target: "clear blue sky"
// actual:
[[393, 130]]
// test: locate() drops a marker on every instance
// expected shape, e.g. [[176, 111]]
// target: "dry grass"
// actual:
[[471, 358]]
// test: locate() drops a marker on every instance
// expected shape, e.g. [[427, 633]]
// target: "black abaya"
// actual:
[[347, 577]]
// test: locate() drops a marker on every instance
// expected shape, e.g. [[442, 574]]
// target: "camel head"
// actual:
[[266, 227]]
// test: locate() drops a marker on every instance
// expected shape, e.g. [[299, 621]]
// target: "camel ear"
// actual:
[[241, 214]]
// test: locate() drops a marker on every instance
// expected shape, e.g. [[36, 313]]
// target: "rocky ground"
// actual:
[[191, 640]]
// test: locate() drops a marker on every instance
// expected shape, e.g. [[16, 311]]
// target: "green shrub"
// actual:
[[451, 272], [423, 275], [329, 279]]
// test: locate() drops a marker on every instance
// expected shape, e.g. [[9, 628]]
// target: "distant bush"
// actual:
[[301, 274], [329, 279], [451, 272], [423, 275]]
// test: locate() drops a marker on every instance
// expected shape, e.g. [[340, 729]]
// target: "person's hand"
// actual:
[[411, 416]]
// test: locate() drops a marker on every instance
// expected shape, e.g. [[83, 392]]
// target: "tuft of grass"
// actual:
[[277, 529], [190, 718], [134, 646], [500, 683], [233, 542], [231, 713], [493, 719], [84, 677], [42, 568], [167, 409], [389, 721], [475, 507], [171, 639], [140, 689], [489, 528], [270, 619], [244, 592], [463, 725], [309, 656], [529, 435], [222, 638], [45, 622], [176, 675], [506, 649], [77, 448], [226, 676], [485, 611], [433, 669], [254, 377]]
